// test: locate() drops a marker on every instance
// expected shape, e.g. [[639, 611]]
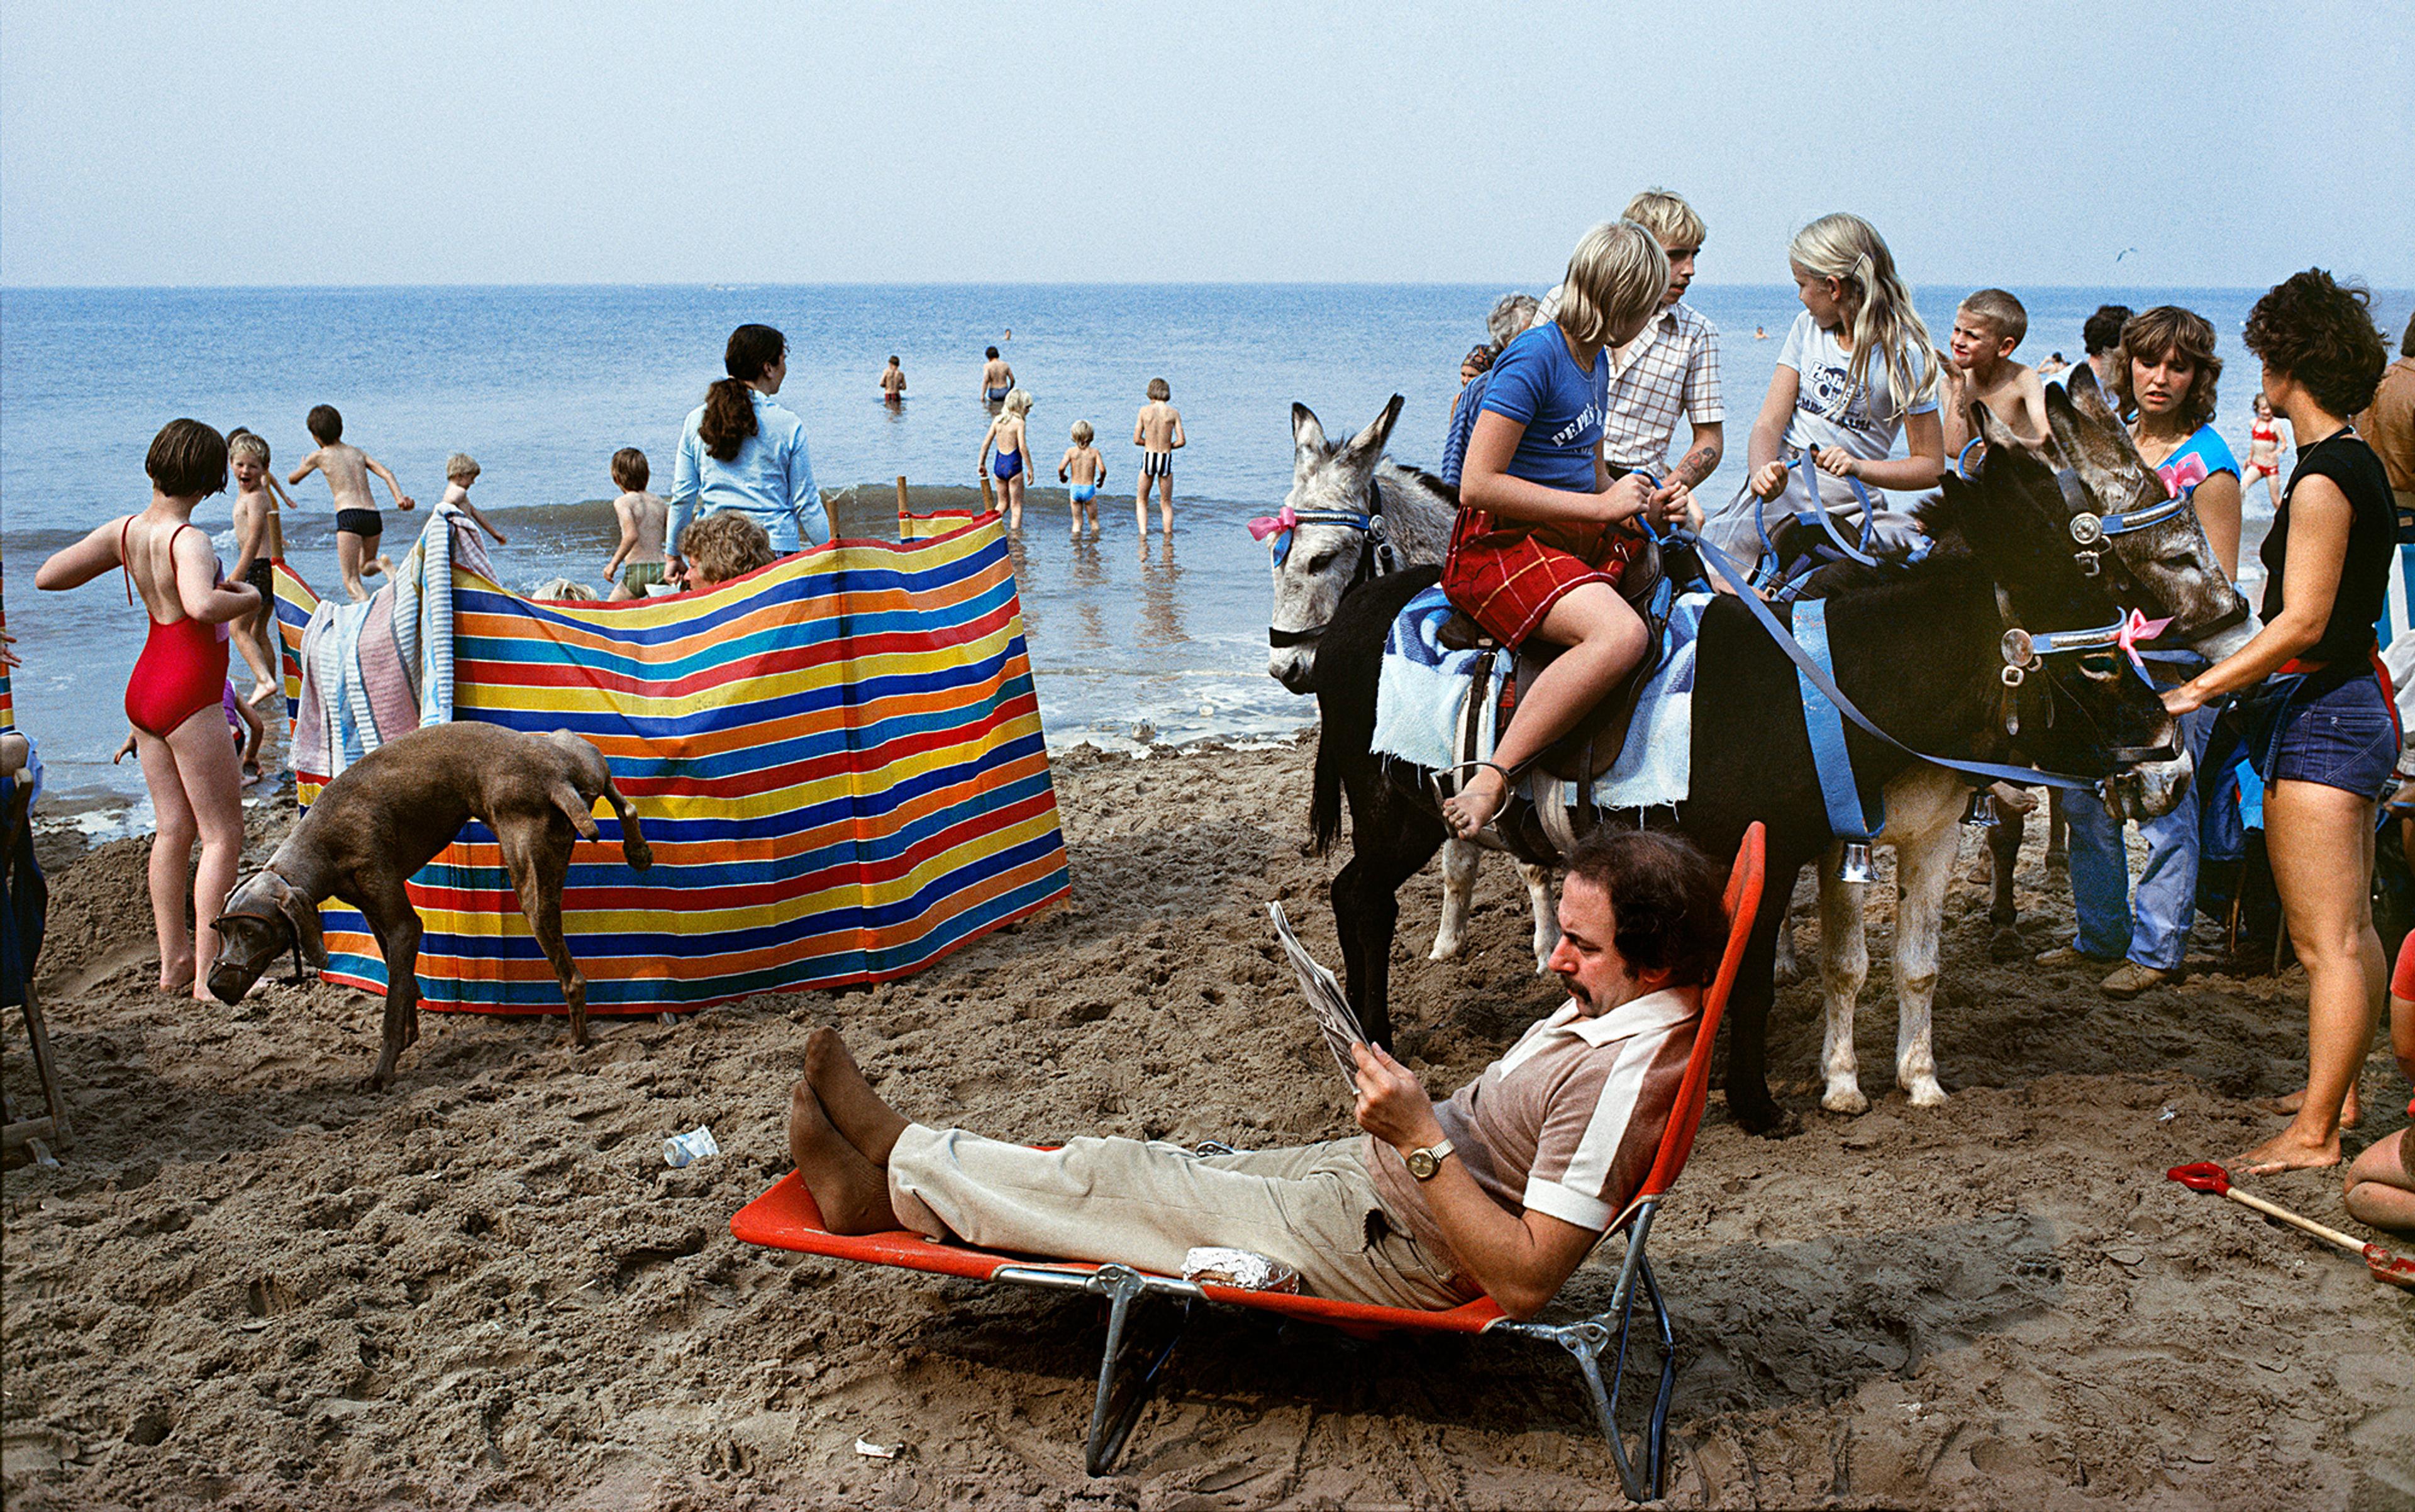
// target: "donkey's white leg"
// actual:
[[1459, 862], [1924, 869], [1844, 964], [1547, 915], [1785, 967]]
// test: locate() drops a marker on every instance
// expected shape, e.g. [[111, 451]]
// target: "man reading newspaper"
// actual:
[[1502, 1190]]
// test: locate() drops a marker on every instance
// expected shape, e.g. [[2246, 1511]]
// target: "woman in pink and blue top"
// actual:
[[2165, 371]]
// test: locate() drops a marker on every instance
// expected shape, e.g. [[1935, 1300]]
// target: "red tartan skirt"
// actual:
[[1507, 576]]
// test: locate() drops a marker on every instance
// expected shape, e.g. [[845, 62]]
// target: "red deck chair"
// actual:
[[785, 1218]]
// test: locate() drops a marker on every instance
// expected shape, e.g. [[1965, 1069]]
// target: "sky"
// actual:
[[2053, 141]]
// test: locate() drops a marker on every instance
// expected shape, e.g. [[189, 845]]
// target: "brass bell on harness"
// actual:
[[1855, 866]]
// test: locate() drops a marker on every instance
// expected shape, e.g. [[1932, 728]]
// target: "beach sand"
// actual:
[[253, 1284]]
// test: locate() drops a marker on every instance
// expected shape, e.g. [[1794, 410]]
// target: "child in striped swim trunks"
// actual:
[[1544, 532]]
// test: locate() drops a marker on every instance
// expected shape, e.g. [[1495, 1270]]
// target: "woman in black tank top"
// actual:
[[2326, 737]]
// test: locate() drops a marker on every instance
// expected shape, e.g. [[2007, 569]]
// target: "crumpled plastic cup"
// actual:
[[686, 1149]]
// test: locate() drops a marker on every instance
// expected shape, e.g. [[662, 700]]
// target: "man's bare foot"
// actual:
[[1475, 805], [869, 1124], [850, 1191], [2351, 1114], [2286, 1151]]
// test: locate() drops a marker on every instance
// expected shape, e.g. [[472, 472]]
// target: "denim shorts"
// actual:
[[2345, 738]]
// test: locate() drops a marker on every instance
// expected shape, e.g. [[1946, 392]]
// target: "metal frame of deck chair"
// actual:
[[785, 1218]]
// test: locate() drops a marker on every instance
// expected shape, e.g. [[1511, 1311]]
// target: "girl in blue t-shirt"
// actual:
[[1543, 532]]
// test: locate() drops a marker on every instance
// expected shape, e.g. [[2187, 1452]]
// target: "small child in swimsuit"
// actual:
[[460, 471], [175, 698], [2264, 452], [892, 384], [255, 508], [1084, 473], [358, 525], [643, 518], [1157, 430], [1007, 433]]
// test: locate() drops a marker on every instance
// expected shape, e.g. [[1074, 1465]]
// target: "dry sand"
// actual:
[[253, 1284]]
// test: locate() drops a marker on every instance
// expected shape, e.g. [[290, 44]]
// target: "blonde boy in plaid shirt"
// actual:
[[1670, 370]]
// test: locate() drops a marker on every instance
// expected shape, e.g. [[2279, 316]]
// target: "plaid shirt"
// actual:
[[1672, 368]]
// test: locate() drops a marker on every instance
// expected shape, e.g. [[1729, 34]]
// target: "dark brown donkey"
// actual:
[[387, 816]]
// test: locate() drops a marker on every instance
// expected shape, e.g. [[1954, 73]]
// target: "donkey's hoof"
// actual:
[[2005, 944], [1925, 1092], [1447, 948], [1846, 1099]]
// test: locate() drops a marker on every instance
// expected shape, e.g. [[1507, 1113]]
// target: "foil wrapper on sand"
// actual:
[[1237, 1269], [686, 1149]]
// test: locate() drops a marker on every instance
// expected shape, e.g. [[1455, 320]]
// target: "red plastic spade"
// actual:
[[2207, 1176]]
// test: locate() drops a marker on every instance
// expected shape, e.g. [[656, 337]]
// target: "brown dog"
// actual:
[[387, 816]]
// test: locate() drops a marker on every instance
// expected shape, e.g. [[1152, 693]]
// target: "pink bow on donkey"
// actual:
[[1275, 524], [2136, 629], [2182, 475]]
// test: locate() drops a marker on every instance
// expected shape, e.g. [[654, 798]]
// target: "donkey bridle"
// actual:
[[2093, 534], [1375, 559]]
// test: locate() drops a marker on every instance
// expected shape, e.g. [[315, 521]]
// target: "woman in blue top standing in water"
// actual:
[[742, 450]]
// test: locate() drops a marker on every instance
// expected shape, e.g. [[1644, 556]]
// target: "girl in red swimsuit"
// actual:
[[173, 696], [2264, 452]]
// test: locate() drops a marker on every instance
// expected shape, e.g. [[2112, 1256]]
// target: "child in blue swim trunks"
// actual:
[[1084, 472], [1006, 433]]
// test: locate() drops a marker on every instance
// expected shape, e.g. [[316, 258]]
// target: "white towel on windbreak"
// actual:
[[1422, 692]]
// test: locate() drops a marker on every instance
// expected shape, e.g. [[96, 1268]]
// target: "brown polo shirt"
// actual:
[[2388, 425], [1568, 1123]]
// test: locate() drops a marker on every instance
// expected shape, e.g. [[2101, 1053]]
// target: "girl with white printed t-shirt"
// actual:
[[1858, 368]]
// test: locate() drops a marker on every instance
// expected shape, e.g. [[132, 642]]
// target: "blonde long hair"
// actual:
[[1850, 249]]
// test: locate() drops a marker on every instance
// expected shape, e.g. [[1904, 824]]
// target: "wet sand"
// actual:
[[253, 1284]]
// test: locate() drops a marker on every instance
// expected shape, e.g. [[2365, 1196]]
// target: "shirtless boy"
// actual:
[[1084, 472], [1157, 430], [1979, 370], [254, 507], [998, 379], [460, 471], [638, 559], [892, 384], [358, 525]]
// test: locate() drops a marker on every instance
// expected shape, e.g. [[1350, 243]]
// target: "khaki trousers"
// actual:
[[1147, 1204]]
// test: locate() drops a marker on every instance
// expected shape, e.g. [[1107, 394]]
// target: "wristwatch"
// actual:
[[1424, 1163]]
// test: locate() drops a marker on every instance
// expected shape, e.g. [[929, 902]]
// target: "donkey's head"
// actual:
[[1324, 539], [2157, 559], [2074, 701]]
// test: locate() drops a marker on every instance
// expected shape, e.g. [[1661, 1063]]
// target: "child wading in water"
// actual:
[[255, 506], [175, 698], [358, 524], [644, 517], [1157, 430], [1084, 472], [1544, 530], [461, 470], [1012, 465]]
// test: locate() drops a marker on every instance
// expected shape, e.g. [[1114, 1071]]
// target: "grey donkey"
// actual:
[[387, 816]]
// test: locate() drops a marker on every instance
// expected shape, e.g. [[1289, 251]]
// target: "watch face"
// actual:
[[1422, 1164]]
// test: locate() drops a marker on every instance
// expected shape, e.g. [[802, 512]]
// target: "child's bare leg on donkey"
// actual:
[[1604, 640]]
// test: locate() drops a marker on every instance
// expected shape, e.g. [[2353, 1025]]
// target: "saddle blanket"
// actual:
[[1422, 701]]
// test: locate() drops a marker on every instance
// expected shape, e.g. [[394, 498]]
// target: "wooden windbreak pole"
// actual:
[[901, 510]]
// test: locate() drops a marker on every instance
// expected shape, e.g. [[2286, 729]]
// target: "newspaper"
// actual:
[[1325, 998]]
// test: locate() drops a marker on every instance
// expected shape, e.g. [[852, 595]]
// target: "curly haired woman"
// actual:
[[2323, 731]]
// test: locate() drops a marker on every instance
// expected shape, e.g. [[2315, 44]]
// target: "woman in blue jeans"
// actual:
[[2165, 370], [2323, 731]]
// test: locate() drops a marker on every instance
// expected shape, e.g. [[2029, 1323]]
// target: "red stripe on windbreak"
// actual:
[[640, 897], [833, 763]]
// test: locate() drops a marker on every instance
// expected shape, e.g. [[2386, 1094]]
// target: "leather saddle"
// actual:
[[1593, 746]]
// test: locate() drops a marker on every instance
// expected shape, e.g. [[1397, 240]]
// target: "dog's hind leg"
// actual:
[[537, 854], [386, 908]]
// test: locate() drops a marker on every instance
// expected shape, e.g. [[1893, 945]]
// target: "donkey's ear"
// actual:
[[1369, 443], [1307, 435], [1999, 436]]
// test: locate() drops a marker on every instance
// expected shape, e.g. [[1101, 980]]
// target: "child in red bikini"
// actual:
[[1545, 526]]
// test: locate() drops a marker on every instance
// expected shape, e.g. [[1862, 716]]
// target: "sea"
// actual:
[[1135, 647]]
